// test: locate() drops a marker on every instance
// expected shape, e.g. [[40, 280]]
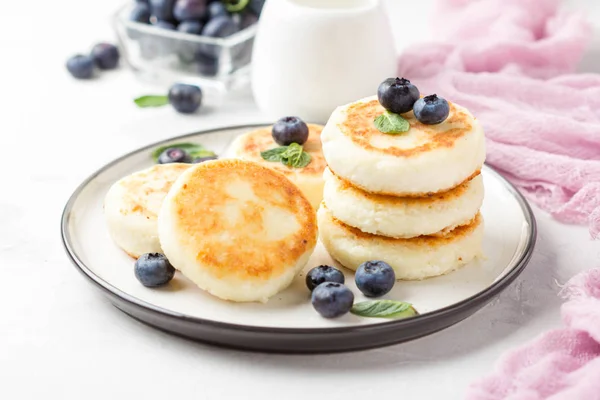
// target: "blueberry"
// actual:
[[153, 270], [397, 95], [256, 6], [185, 98], [215, 9], [191, 27], [207, 65], [165, 25], [105, 55], [140, 13], [375, 278], [289, 130], [244, 20], [174, 155], [218, 27], [431, 110], [332, 299], [81, 67], [186, 10], [202, 159], [323, 273], [162, 9]]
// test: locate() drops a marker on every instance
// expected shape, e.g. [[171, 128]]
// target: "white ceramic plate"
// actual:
[[288, 322]]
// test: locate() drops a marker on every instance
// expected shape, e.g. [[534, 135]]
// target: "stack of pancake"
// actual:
[[410, 199]]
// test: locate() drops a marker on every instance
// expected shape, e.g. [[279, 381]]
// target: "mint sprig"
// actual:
[[151, 101], [391, 123], [384, 309], [292, 155], [195, 150], [234, 6]]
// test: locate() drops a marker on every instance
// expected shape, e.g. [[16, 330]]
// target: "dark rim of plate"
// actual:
[[482, 297]]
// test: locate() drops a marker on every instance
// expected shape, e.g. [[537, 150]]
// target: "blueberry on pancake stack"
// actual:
[[403, 183]]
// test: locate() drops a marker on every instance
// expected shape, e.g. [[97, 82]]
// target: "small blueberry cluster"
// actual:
[[103, 56], [331, 298], [399, 95]]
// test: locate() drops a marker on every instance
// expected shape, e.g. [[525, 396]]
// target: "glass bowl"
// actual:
[[165, 56]]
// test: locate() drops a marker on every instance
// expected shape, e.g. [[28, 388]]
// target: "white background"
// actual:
[[60, 339]]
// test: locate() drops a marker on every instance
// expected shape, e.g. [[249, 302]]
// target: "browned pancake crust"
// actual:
[[145, 184], [134, 256], [260, 140], [359, 127], [420, 241], [412, 200], [404, 196], [245, 255]]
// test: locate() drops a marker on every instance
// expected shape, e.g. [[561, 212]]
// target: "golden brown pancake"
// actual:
[[403, 217], [237, 229], [309, 179], [423, 160], [132, 204], [412, 259], [260, 140], [359, 127]]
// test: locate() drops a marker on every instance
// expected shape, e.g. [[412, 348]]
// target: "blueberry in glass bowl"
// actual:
[[218, 27], [206, 65], [216, 9], [189, 10], [173, 43], [162, 9], [191, 27], [141, 13]]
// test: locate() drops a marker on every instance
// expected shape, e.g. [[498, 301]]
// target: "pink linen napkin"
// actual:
[[511, 62], [563, 364]]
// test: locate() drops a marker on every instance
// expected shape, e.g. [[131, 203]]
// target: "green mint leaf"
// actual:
[[292, 155], [391, 123], [234, 6], [199, 153], [195, 150], [384, 309], [273, 154], [303, 161], [151, 101]]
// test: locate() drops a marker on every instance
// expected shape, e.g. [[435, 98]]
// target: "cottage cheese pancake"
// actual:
[[412, 259], [403, 217], [132, 204], [309, 179], [237, 229], [426, 159]]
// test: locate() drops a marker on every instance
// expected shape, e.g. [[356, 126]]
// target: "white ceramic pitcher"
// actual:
[[311, 56]]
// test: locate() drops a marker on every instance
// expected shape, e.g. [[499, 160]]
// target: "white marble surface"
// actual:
[[59, 339]]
